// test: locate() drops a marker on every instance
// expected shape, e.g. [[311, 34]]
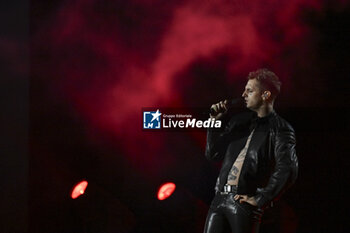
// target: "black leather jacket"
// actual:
[[270, 165]]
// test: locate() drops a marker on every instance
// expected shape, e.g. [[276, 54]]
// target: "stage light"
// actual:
[[79, 189], [166, 190]]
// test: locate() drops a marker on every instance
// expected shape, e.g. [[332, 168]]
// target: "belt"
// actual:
[[229, 189]]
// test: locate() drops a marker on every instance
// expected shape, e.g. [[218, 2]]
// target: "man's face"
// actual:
[[253, 94]]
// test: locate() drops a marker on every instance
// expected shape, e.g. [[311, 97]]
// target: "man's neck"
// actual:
[[264, 110]]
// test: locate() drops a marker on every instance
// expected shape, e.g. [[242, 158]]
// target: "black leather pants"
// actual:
[[227, 215]]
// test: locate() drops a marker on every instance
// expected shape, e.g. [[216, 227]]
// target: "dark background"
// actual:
[[76, 75]]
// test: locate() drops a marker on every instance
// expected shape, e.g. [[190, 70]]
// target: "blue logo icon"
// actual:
[[151, 120]]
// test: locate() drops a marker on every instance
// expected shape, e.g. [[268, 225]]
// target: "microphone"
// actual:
[[236, 102]]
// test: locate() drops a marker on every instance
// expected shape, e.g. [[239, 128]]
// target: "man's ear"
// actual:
[[266, 95]]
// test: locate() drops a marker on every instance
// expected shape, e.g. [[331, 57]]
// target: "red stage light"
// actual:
[[79, 189], [166, 190]]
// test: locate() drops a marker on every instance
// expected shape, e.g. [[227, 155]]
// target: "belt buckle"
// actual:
[[227, 188]]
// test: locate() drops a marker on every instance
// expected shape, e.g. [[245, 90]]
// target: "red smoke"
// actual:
[[111, 61]]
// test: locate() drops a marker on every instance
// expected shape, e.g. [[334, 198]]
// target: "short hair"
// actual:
[[268, 80]]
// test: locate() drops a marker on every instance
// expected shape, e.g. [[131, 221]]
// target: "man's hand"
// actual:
[[245, 198], [220, 109]]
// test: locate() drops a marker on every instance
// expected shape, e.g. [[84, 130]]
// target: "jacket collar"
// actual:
[[260, 120]]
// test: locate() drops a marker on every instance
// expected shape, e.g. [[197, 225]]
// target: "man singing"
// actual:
[[259, 159]]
